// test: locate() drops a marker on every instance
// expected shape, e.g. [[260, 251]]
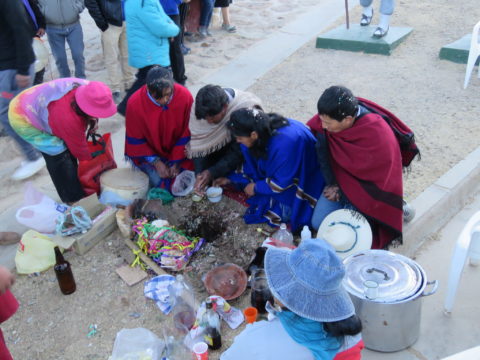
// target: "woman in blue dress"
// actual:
[[280, 173]]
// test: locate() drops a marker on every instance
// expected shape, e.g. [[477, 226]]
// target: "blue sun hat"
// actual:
[[308, 281]]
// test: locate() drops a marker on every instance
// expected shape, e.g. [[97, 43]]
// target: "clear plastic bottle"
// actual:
[[211, 321], [182, 298], [283, 235], [306, 233]]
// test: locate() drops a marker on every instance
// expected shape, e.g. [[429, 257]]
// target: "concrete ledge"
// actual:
[[437, 204], [457, 51], [359, 38]]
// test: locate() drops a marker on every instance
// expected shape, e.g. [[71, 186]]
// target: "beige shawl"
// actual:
[[206, 138]]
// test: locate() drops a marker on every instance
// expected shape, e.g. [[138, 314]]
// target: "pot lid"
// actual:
[[381, 276]]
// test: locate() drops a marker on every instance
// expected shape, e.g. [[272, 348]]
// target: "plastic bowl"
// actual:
[[214, 194], [228, 281]]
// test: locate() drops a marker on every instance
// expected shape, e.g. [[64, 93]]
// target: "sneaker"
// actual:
[[9, 238], [28, 168], [116, 97], [408, 212], [379, 32], [185, 50], [229, 28], [202, 30]]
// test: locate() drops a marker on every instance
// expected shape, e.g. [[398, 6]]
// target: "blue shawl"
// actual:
[[289, 178], [310, 334]]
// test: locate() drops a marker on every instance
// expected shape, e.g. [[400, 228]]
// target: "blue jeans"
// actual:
[[386, 6], [8, 85], [325, 207], [74, 36], [206, 13]]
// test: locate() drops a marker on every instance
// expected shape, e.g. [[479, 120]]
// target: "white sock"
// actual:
[[384, 21], [368, 11]]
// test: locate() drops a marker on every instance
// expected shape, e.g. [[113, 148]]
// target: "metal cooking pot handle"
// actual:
[[385, 275], [434, 290]]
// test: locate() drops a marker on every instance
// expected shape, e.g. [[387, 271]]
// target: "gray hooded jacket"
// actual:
[[61, 12]]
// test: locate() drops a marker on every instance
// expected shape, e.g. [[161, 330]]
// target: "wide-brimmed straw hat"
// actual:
[[95, 99], [308, 281], [347, 231]]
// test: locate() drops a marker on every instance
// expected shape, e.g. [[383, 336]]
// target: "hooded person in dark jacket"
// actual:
[[16, 74], [110, 19]]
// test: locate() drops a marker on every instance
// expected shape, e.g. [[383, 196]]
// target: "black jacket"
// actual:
[[105, 12], [16, 50], [38, 16]]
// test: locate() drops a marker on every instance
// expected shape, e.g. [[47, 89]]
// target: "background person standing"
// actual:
[[16, 74], [148, 33], [110, 19], [176, 55], [63, 24]]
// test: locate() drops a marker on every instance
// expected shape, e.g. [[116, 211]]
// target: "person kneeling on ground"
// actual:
[[314, 317], [214, 151], [280, 172], [361, 163], [53, 117], [157, 128]]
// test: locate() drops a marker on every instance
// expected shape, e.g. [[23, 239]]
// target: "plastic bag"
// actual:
[[113, 199], [74, 221], [89, 171], [183, 184], [39, 212], [137, 344], [34, 253]]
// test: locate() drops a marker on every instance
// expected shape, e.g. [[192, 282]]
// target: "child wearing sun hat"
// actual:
[[315, 318]]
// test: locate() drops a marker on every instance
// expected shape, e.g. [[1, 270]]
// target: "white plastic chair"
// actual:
[[473, 54], [467, 246]]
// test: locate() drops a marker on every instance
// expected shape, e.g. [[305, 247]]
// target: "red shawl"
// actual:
[[8, 307], [367, 165], [155, 131]]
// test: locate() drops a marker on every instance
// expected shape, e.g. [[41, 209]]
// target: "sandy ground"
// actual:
[[422, 90]]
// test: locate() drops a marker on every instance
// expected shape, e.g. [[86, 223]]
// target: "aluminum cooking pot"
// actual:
[[387, 290]]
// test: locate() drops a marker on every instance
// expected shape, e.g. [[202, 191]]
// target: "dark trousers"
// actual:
[[39, 77], [176, 55], [183, 9], [63, 169], [141, 78]]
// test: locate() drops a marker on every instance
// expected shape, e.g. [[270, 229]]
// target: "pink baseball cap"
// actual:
[[95, 99]]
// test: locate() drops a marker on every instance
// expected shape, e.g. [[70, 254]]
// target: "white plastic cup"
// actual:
[[200, 351], [214, 194], [370, 289]]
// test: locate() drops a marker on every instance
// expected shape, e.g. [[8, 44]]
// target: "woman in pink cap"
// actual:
[[54, 117]]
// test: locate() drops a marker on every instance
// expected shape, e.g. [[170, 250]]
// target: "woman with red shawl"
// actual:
[[361, 162], [157, 128]]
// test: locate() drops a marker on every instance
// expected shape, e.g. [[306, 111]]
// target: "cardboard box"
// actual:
[[101, 228]]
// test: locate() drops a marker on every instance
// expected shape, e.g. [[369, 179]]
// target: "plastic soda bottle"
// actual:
[[306, 233], [183, 304], [283, 235]]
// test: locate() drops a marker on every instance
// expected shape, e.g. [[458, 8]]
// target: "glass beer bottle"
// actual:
[[260, 291], [64, 273]]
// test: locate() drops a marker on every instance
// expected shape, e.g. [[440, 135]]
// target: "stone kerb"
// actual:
[[437, 204]]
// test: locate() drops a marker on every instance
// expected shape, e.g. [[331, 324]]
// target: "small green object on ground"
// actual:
[[162, 194]]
